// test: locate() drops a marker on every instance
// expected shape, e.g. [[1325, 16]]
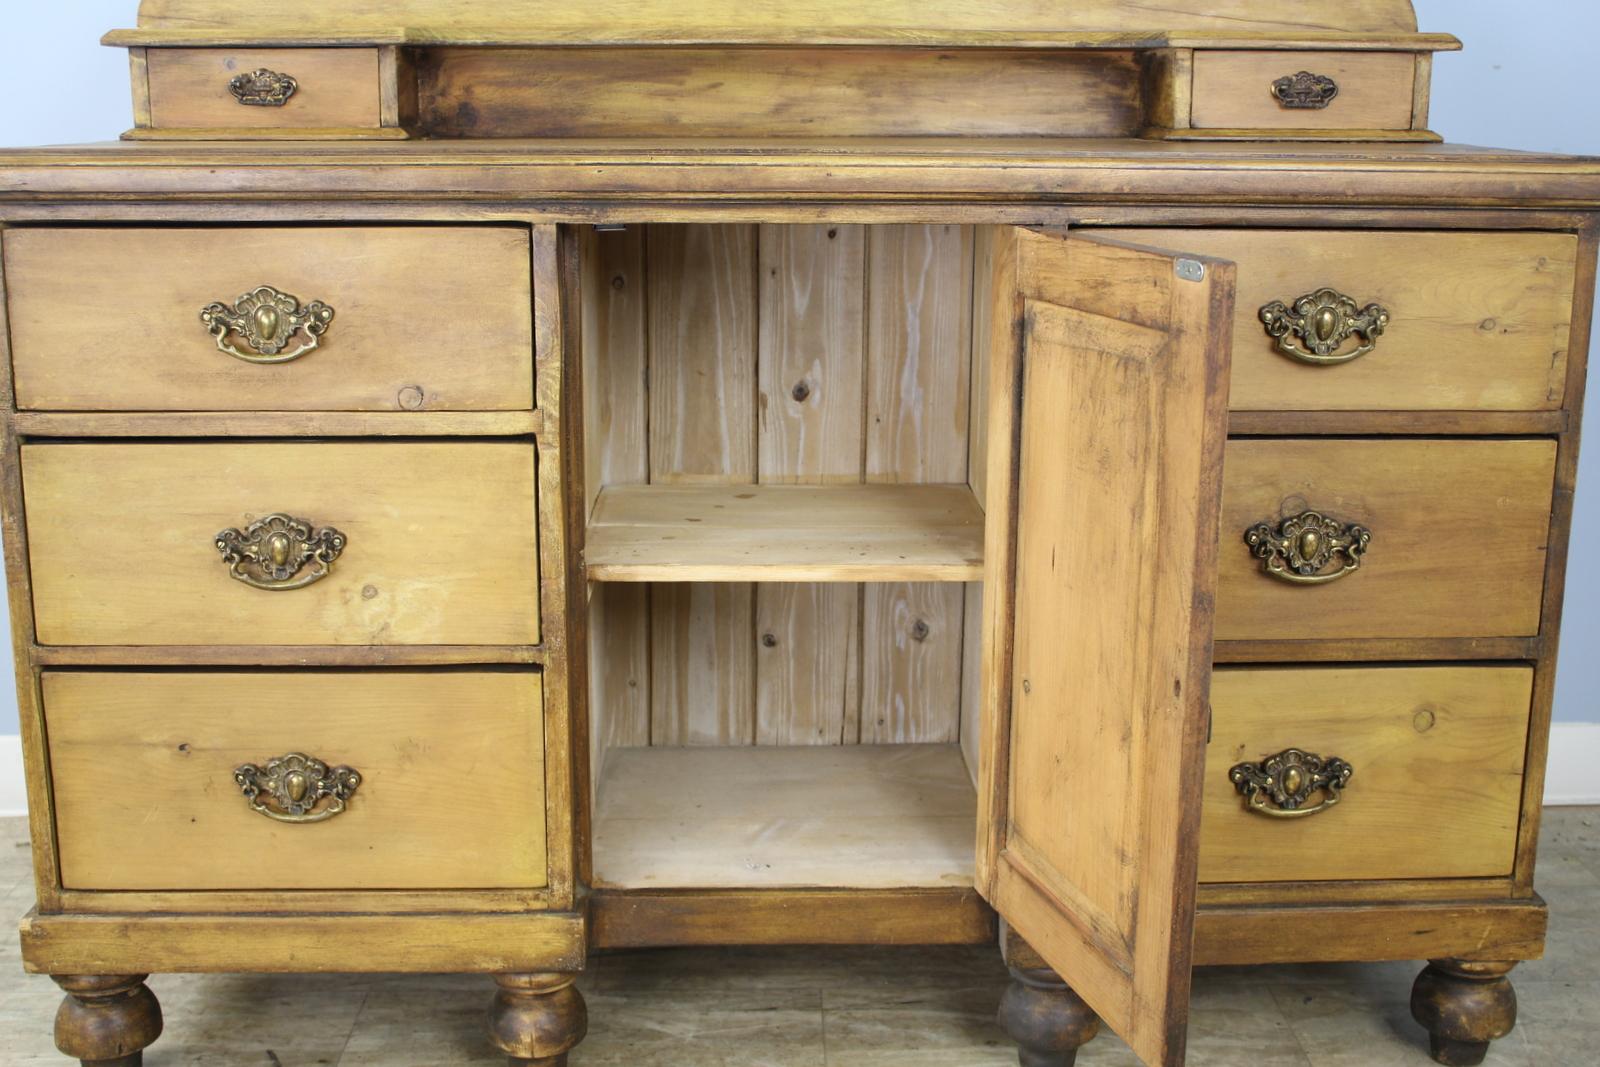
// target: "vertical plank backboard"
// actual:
[[811, 302], [615, 453], [702, 308], [1105, 547], [919, 350]]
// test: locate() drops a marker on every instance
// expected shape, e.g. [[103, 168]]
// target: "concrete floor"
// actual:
[[838, 1007]]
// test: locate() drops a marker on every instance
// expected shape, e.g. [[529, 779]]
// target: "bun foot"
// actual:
[[106, 1020], [536, 1019], [1464, 1005]]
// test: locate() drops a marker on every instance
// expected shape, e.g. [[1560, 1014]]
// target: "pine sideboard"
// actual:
[[491, 482]]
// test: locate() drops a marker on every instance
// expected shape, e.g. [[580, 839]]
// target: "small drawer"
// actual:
[[405, 780], [277, 318], [1472, 321], [326, 543], [263, 89], [1383, 538], [1304, 90], [1434, 757]]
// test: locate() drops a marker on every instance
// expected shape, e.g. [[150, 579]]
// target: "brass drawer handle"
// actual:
[[1280, 785], [1305, 91], [262, 88], [1317, 325], [267, 319], [1301, 548], [292, 788], [280, 552]]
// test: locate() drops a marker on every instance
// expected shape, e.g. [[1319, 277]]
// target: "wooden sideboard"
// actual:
[[490, 482]]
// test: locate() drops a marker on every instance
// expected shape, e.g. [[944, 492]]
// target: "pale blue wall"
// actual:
[[1523, 82]]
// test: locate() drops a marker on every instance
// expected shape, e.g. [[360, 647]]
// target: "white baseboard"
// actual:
[[13, 796], [1570, 778]]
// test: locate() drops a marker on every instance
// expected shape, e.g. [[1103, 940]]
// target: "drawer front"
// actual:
[[304, 89], [423, 318], [1435, 786], [449, 790], [436, 543], [1346, 90], [1457, 538], [1476, 321]]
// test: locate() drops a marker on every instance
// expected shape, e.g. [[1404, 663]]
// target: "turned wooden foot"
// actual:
[[106, 1020], [1464, 1005], [1047, 1020], [537, 1018]]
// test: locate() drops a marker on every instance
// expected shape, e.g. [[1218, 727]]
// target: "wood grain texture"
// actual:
[[1449, 740], [661, 918], [1122, 375], [338, 87], [615, 443], [142, 766], [861, 816], [299, 944], [1478, 321], [702, 663], [401, 339], [911, 670], [445, 554], [1233, 90], [918, 409], [812, 293], [1459, 536], [785, 533], [1367, 932], [647, 16], [726, 92]]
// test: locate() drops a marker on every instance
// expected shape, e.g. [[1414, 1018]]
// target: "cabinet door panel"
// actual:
[[1109, 415]]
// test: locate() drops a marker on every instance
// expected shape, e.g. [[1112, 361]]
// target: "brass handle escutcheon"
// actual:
[[267, 319], [1305, 91], [1302, 548], [297, 788], [1280, 785], [262, 88], [1316, 327], [280, 552]]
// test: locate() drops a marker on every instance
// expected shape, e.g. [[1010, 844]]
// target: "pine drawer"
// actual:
[[1435, 787], [1368, 91], [435, 318], [1476, 321], [1458, 532], [264, 89], [436, 543], [448, 789]]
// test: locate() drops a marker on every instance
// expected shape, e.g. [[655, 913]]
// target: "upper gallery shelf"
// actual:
[[785, 533], [808, 23]]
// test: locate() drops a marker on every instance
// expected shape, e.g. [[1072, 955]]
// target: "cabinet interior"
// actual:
[[784, 476]]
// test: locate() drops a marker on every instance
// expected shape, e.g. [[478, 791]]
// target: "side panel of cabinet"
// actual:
[[1106, 434]]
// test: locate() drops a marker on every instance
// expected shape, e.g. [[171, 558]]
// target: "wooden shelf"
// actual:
[[786, 533], [827, 816]]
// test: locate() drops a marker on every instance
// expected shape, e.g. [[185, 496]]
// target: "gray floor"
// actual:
[[868, 1008]]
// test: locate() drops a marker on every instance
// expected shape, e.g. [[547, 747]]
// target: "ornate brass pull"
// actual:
[[292, 788], [1301, 548], [267, 319], [1305, 91], [1317, 325], [262, 88], [280, 552], [1286, 781]]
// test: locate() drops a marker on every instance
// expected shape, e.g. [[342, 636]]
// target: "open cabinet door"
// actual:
[[1108, 413]]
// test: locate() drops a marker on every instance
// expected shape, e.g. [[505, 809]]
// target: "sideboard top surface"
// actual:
[[941, 23], [550, 172]]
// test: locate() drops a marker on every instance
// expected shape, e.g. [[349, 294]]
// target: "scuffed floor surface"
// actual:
[[837, 1007]]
